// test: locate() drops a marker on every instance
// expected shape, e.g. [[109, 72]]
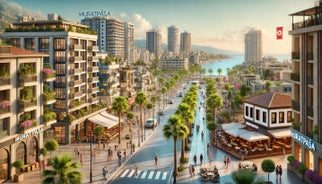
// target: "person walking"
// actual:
[[193, 170], [195, 159], [136, 170], [280, 170], [105, 171], [190, 170], [277, 171], [225, 161], [201, 158], [156, 159]]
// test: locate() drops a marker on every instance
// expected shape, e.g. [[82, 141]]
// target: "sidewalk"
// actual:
[[99, 161]]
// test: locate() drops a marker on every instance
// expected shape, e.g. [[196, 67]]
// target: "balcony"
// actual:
[[49, 98], [24, 104], [309, 55], [296, 105], [76, 47], [93, 100], [93, 90], [77, 82], [23, 80], [93, 48], [78, 70], [75, 59], [310, 111], [309, 80], [4, 110], [78, 94], [49, 75], [295, 77], [4, 81], [4, 133], [93, 79], [295, 55]]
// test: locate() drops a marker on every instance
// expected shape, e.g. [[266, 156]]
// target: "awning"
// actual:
[[233, 132], [251, 125], [280, 133], [233, 125], [104, 119], [252, 136]]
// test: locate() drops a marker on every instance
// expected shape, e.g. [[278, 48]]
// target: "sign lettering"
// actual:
[[26, 135], [303, 140], [98, 13]]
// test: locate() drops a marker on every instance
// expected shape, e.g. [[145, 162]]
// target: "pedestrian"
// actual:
[[81, 159], [190, 170], [193, 170], [195, 159], [120, 159], [228, 160], [105, 171], [136, 170], [277, 171], [225, 161], [208, 146], [156, 159], [202, 134], [280, 171], [124, 153], [201, 158]]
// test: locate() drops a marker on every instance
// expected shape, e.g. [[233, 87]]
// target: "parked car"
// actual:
[[170, 101], [161, 112], [150, 123], [180, 94]]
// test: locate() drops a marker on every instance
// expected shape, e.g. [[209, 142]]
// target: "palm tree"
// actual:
[[186, 117], [63, 171], [163, 91], [141, 99], [176, 130], [219, 70], [212, 126], [130, 117], [214, 102], [120, 105], [210, 71]]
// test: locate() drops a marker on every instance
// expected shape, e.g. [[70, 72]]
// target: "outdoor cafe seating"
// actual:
[[209, 174]]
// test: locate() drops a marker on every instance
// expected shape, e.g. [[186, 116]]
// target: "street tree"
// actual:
[[120, 105], [130, 116], [99, 131], [210, 71], [212, 126], [63, 171], [51, 145], [268, 166], [219, 71], [141, 99], [214, 102], [175, 129]]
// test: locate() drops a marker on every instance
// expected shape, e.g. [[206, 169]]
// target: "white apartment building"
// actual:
[[174, 64], [253, 46], [173, 40]]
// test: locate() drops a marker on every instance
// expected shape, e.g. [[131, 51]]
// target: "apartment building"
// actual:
[[253, 46], [185, 43], [173, 40], [154, 42], [72, 50], [307, 93], [24, 101], [174, 64]]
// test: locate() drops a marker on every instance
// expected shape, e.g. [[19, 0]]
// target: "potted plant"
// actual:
[[290, 160], [315, 132], [19, 165]]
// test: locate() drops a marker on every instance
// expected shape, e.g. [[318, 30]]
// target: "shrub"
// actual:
[[18, 164], [290, 158], [185, 160], [301, 168], [181, 169], [295, 164], [187, 148]]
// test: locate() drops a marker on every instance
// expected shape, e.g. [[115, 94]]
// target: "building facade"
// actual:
[[173, 40], [23, 107], [129, 43], [185, 43], [174, 64], [154, 42], [253, 46], [307, 93], [72, 50]]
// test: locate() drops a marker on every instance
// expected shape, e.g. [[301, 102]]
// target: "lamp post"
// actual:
[[159, 113], [138, 122], [91, 158]]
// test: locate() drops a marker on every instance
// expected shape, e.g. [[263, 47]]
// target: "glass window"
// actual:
[[264, 117], [43, 43], [21, 152], [257, 114], [273, 117], [60, 43], [247, 110], [281, 117], [30, 43], [251, 112], [289, 116], [4, 164], [32, 151]]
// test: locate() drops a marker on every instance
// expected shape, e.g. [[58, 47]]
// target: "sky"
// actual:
[[218, 23]]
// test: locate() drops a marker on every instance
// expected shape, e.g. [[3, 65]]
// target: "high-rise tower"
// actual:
[[154, 42], [185, 43], [253, 46], [173, 40]]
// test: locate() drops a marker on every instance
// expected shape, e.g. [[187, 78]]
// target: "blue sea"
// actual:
[[233, 61]]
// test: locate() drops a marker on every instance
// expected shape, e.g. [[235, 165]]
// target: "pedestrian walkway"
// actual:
[[145, 174]]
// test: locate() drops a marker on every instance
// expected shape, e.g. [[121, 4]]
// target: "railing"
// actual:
[[309, 80], [5, 110], [310, 111], [78, 94], [26, 79], [309, 55], [92, 100], [76, 47], [295, 55], [77, 82], [93, 48], [25, 104], [295, 105], [75, 58], [295, 77], [3, 133], [4, 81], [78, 70]]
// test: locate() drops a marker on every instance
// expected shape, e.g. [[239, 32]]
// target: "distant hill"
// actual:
[[209, 49], [10, 12]]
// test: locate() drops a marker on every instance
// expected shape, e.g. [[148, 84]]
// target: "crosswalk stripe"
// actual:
[[151, 175], [131, 173], [124, 173], [144, 174], [157, 176], [139, 171], [164, 176]]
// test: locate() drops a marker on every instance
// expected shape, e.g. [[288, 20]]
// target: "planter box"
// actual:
[[308, 180], [18, 177], [296, 172]]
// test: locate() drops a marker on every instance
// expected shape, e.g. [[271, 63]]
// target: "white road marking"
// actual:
[[151, 175], [124, 173], [164, 176]]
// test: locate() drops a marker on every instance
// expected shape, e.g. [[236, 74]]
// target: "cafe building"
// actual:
[[21, 108]]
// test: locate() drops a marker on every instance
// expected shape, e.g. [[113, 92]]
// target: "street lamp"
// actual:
[[159, 113]]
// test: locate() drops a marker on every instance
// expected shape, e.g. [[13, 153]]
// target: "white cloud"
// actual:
[[141, 24]]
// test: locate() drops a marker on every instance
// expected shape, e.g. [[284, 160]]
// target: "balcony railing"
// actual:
[[26, 104], [310, 111], [309, 55], [295, 77], [93, 48], [26, 79], [76, 47], [295, 105], [78, 94], [309, 80], [93, 100], [49, 99], [295, 55], [4, 81], [75, 59], [78, 70], [4, 110], [3, 133], [77, 82]]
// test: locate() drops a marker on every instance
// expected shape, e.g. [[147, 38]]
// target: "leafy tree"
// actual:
[[238, 99], [176, 130], [243, 176], [120, 105], [141, 100], [212, 126], [214, 102], [268, 166], [219, 71], [210, 71], [63, 172], [244, 90], [43, 152], [18, 164], [268, 85], [51, 145], [268, 74], [99, 131]]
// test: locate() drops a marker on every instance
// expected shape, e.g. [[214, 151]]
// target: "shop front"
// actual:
[[4, 164]]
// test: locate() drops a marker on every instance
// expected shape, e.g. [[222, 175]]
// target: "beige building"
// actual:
[[174, 64], [173, 40], [306, 76], [185, 43], [23, 107], [253, 46]]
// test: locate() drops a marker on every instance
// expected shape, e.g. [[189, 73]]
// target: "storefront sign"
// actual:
[[303, 140], [26, 135], [98, 13]]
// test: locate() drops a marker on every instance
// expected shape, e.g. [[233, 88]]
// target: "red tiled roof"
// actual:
[[271, 100], [16, 51]]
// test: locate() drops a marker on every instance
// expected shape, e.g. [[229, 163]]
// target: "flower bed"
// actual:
[[312, 176]]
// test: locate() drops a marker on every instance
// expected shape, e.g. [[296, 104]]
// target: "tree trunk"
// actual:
[[182, 150], [175, 156], [119, 128], [141, 123]]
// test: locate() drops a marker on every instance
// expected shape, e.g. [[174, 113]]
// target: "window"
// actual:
[[264, 117], [257, 114], [289, 116], [30, 43], [251, 112], [281, 117], [43, 43], [247, 110], [273, 117]]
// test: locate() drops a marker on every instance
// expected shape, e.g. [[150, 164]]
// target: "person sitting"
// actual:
[[254, 167], [239, 165]]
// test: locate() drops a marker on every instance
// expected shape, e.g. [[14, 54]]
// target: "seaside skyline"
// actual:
[[216, 23]]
